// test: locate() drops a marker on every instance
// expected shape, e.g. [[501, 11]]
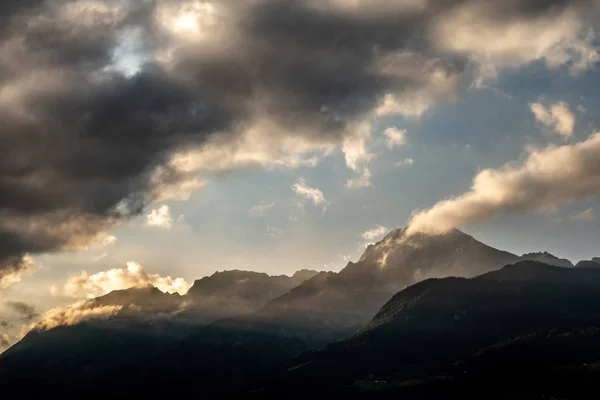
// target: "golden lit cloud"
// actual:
[[133, 275]]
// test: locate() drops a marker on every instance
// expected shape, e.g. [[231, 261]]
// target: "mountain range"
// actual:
[[415, 316]]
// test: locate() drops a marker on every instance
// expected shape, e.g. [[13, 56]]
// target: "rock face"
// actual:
[[547, 258]]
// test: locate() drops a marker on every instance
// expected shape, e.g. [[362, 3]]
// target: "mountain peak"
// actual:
[[422, 255], [390, 265], [303, 275], [547, 258]]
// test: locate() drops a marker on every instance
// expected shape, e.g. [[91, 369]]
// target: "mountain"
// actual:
[[547, 258], [71, 352], [239, 292], [398, 321], [428, 327], [331, 305], [237, 350], [593, 263], [352, 296]]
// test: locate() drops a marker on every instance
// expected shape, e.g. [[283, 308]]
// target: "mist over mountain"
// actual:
[[153, 153], [386, 267], [89, 340], [244, 289], [412, 306], [331, 305]]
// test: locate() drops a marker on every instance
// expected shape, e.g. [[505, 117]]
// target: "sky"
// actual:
[[161, 141]]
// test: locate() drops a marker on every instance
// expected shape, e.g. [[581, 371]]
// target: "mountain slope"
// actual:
[[238, 292], [324, 308], [429, 326], [361, 288], [593, 263], [330, 305], [78, 347], [547, 258]]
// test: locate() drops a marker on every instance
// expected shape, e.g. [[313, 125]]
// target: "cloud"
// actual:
[[260, 210], [13, 272], [110, 107], [546, 179], [587, 215], [274, 232], [394, 137], [25, 311], [315, 195], [375, 234], [357, 155], [100, 256], [109, 241], [160, 218], [497, 35], [5, 341], [557, 117], [74, 314], [104, 282], [406, 161]]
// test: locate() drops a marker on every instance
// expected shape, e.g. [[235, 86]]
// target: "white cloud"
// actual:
[[166, 188], [394, 137], [406, 161], [109, 241], [100, 256], [274, 232], [588, 55], [361, 181], [559, 38], [587, 215], [74, 314], [436, 82], [260, 210], [375, 234], [357, 155], [11, 276], [160, 217], [104, 282], [557, 117], [264, 144], [315, 195], [547, 178]]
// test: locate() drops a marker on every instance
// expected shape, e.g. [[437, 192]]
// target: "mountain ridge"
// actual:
[[400, 298]]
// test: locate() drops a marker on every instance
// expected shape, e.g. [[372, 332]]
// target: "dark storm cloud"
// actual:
[[26, 312], [81, 142]]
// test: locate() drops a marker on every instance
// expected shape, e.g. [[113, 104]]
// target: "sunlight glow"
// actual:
[[189, 21]]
